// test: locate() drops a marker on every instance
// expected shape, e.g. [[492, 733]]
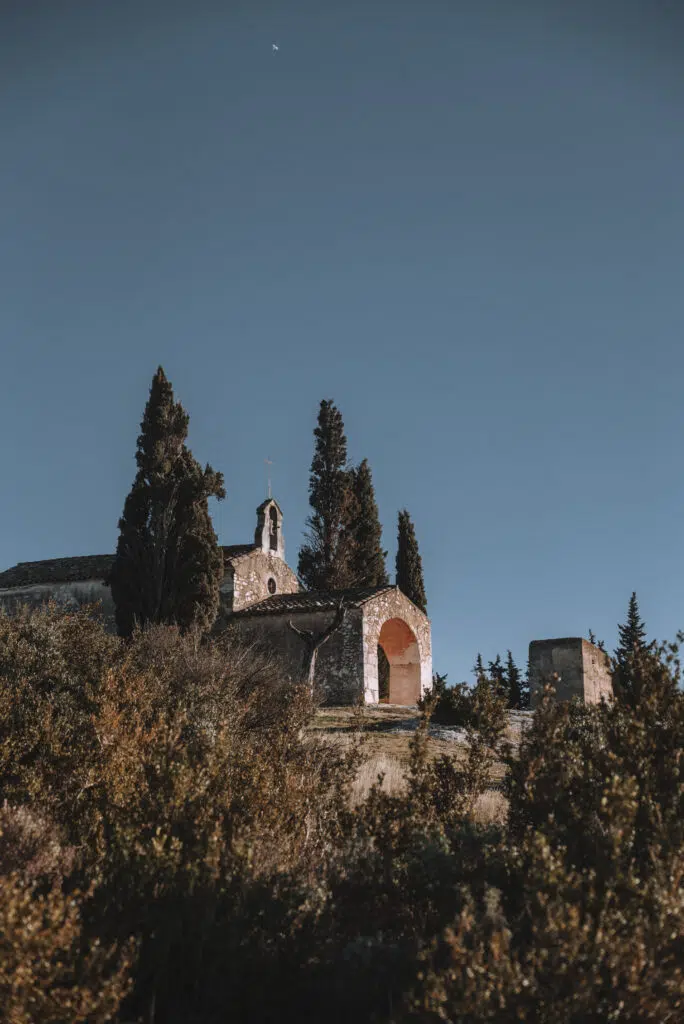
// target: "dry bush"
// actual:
[[47, 976], [31, 846], [264, 874], [491, 808], [177, 769]]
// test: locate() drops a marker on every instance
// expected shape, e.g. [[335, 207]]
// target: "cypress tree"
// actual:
[[409, 563], [514, 684], [324, 558], [168, 565], [367, 559]]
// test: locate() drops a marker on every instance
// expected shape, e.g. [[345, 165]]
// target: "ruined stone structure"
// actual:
[[583, 670], [261, 600]]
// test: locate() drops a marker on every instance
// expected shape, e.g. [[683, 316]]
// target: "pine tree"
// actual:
[[409, 563], [632, 637], [324, 558], [632, 634], [514, 683], [478, 668], [367, 559], [525, 686], [168, 565], [497, 673]]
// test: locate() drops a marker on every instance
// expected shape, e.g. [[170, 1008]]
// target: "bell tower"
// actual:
[[269, 531]]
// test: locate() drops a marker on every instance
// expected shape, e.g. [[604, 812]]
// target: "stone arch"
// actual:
[[400, 645]]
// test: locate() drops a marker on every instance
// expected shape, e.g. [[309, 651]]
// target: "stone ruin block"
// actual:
[[583, 670]]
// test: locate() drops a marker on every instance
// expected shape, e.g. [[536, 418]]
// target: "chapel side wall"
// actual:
[[251, 573], [339, 663], [69, 596], [598, 680]]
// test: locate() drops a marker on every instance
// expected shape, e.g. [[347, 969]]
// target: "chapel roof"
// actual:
[[57, 570], [311, 601], [233, 551], [79, 568], [269, 501]]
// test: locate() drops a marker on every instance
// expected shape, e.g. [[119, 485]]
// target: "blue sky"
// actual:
[[461, 220]]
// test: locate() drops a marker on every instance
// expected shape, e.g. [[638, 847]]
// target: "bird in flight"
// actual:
[[275, 47]]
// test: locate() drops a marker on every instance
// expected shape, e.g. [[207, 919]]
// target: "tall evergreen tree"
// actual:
[[324, 558], [478, 668], [525, 687], [168, 565], [409, 563], [367, 559], [497, 673], [514, 683], [632, 642], [632, 634]]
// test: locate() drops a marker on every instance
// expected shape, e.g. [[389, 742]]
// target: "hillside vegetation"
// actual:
[[185, 840]]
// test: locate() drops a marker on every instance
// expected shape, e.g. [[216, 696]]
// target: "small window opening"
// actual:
[[272, 586], [273, 529]]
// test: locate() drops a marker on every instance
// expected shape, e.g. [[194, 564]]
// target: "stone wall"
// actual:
[[339, 663], [246, 580], [68, 595], [584, 670], [597, 675]]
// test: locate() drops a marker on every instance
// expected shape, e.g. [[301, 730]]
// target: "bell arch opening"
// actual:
[[399, 645]]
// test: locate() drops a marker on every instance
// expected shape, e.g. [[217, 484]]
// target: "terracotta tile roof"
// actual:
[[57, 570], [311, 601]]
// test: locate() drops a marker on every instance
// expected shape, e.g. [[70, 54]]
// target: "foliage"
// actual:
[[598, 643], [480, 709], [168, 565], [409, 564], [367, 558], [47, 975], [632, 637], [515, 690], [169, 825], [325, 557]]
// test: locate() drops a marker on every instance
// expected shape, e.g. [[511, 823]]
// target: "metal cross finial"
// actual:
[[269, 463]]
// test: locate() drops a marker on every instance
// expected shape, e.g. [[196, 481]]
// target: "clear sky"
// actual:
[[462, 220]]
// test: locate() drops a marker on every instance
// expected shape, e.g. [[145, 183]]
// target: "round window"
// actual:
[[272, 585]]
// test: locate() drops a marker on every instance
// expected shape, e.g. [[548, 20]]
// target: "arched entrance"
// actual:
[[400, 647]]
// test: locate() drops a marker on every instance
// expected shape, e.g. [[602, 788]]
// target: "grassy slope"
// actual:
[[387, 750]]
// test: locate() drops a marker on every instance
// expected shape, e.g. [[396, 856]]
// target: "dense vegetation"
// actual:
[[175, 847]]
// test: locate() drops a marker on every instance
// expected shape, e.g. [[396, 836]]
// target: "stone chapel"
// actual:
[[262, 600]]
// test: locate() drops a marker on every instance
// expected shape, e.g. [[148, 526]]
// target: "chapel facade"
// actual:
[[263, 602]]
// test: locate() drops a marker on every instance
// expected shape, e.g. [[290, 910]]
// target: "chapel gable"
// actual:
[[254, 572]]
